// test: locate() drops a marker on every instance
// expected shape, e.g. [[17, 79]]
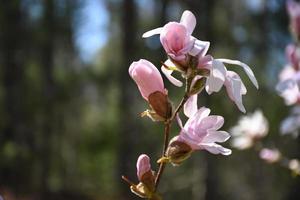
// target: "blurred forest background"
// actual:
[[69, 115]]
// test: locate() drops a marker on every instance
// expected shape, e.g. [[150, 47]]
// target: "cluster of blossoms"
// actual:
[[251, 129], [289, 78], [187, 56]]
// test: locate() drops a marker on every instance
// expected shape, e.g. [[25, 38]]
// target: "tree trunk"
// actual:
[[12, 61], [128, 131], [47, 51]]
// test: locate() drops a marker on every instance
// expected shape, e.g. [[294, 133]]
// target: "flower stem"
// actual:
[[167, 132]]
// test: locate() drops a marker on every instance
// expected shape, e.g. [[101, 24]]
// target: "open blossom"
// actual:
[[177, 39], [147, 78], [270, 155], [201, 132], [249, 129], [178, 42], [219, 76], [293, 9], [291, 124]]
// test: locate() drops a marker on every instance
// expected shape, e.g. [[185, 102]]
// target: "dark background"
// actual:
[[69, 118]]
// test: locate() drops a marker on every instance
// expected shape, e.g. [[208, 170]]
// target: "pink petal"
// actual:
[[143, 165], [216, 136], [200, 48], [188, 19], [212, 122], [152, 32], [197, 117], [147, 77], [190, 107], [174, 38], [205, 62]]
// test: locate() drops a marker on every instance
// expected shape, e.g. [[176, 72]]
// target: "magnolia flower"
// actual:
[[289, 85], [270, 155], [178, 42], [201, 131], [293, 9], [291, 124], [249, 129], [219, 76], [147, 78], [177, 38]]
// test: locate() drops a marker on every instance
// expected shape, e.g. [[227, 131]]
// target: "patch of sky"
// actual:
[[91, 29]]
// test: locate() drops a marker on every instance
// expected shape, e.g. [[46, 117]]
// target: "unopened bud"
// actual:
[[177, 152], [160, 103]]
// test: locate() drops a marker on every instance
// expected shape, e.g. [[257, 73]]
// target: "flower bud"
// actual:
[[144, 172], [178, 151], [159, 102], [147, 78]]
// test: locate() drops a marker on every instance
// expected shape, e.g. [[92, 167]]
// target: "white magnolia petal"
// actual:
[[216, 149], [216, 78], [235, 92], [168, 74], [216, 136], [188, 19], [190, 107], [179, 121], [152, 32], [200, 48], [246, 68]]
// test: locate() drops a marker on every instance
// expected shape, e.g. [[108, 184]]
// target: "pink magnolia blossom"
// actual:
[[177, 38], [293, 9], [201, 131], [147, 77], [143, 166], [249, 129], [269, 155], [178, 42]]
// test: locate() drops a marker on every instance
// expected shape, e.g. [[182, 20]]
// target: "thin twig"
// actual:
[[128, 181], [167, 131]]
